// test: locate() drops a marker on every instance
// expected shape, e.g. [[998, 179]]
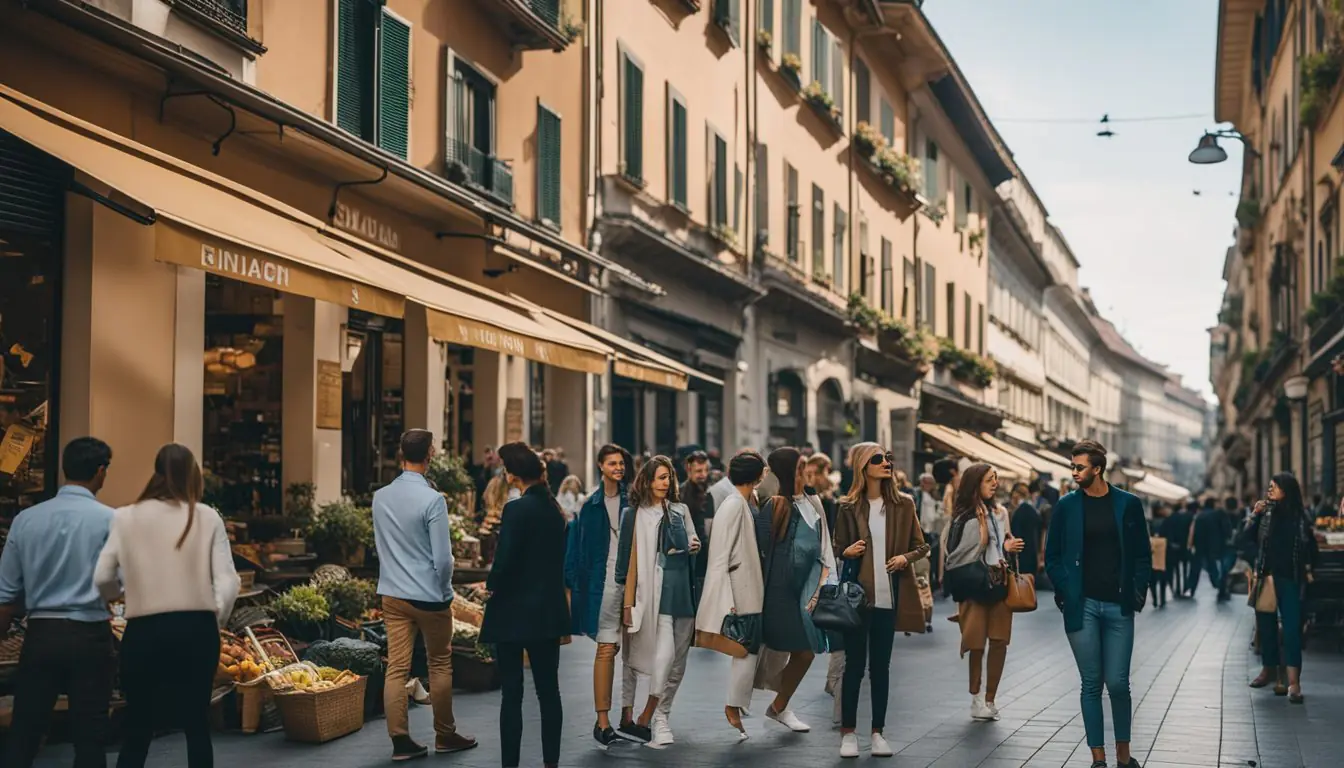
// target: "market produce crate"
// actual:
[[316, 717], [473, 674]]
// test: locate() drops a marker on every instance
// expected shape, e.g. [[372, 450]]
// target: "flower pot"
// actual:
[[473, 674]]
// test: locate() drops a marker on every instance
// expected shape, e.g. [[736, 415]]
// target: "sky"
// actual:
[[1046, 71]]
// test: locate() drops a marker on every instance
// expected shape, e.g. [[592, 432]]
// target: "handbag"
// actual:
[[838, 607], [743, 629], [1261, 595], [1021, 597]]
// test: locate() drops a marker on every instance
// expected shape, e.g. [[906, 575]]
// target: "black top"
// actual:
[[1176, 529], [527, 580], [1213, 530], [1282, 538], [1026, 525], [1101, 549]]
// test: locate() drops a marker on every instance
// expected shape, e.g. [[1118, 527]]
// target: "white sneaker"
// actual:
[[880, 747], [849, 745], [993, 708], [788, 720], [979, 709], [417, 691], [662, 732]]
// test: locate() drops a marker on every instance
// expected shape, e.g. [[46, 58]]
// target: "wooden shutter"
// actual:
[[820, 49], [767, 21], [837, 75], [735, 19], [863, 92], [548, 166], [634, 120], [966, 320], [720, 181], [888, 117], [354, 64], [394, 85], [762, 191], [887, 298], [677, 150], [818, 228], [793, 22], [737, 197]]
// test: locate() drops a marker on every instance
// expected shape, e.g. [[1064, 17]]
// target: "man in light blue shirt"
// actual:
[[415, 581], [46, 569]]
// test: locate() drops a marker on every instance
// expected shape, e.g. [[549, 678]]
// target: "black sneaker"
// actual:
[[1131, 764], [928, 627], [640, 734], [405, 748], [605, 736], [1100, 764]]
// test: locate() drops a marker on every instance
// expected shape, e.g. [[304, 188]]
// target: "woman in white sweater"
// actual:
[[179, 584]]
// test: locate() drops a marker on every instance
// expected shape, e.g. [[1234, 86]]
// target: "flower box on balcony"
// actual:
[[823, 104], [791, 68]]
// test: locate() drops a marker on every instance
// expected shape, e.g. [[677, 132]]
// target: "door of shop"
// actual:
[[625, 419], [372, 418]]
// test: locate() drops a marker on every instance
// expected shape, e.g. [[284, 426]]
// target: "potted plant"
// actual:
[[764, 39], [899, 170], [301, 613], [474, 667], [349, 598], [791, 67], [815, 95], [868, 140], [571, 28], [449, 475], [340, 531]]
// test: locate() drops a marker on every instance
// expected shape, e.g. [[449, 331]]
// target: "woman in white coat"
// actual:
[[734, 587]]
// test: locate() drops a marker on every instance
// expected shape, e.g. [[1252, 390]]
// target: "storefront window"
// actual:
[[536, 401], [460, 419], [244, 361], [373, 415]]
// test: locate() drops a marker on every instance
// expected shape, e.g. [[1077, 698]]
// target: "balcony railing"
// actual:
[[230, 13], [1325, 330], [548, 10], [484, 172], [533, 24]]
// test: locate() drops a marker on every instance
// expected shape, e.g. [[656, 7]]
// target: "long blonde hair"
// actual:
[[859, 456], [572, 484], [496, 494]]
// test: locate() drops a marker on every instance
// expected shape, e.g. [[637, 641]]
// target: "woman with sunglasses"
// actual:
[[878, 534]]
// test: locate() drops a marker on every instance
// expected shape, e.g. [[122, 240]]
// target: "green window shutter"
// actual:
[[793, 21], [820, 47], [738, 183], [768, 16], [679, 150], [931, 187], [548, 166], [354, 67], [863, 92], [634, 120], [720, 181], [838, 76], [888, 116], [394, 86]]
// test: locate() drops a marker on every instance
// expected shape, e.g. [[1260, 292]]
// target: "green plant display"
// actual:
[[303, 604], [300, 499], [349, 598], [449, 475], [1320, 71], [815, 94], [791, 65], [914, 344], [764, 39], [964, 364], [339, 528]]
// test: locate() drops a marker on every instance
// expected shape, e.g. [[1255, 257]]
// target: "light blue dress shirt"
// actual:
[[49, 558], [414, 541]]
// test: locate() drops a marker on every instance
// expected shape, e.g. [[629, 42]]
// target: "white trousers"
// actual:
[[673, 644], [742, 680]]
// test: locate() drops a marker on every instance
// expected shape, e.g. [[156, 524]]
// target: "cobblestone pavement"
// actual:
[[1192, 709]]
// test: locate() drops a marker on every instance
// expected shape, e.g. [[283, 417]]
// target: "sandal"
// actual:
[[1295, 696], [1261, 680]]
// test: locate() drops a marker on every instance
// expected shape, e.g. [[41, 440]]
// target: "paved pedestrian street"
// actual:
[[1193, 709]]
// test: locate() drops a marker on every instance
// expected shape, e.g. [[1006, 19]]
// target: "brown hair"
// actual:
[[177, 477], [859, 456], [968, 493], [641, 490], [784, 463], [1094, 451], [822, 464]]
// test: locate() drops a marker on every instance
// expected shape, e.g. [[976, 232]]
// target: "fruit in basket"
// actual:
[[328, 673]]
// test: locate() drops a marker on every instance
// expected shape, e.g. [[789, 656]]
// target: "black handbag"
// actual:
[[975, 581], [838, 607], [743, 629]]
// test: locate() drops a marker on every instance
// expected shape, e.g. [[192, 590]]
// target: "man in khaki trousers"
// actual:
[[415, 581]]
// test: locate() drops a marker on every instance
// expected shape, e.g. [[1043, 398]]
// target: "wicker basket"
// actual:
[[316, 717]]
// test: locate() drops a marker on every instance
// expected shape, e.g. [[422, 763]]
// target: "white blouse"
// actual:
[[157, 576]]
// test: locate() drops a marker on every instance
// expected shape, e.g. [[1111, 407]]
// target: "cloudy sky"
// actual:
[[1046, 71]]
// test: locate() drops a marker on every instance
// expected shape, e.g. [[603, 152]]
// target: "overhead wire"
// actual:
[[1106, 118]]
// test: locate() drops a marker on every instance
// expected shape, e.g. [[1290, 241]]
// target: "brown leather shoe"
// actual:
[[454, 743]]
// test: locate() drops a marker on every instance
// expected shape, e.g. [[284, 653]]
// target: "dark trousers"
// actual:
[[1211, 564], [1158, 586], [544, 656], [61, 656], [168, 663], [870, 646], [1285, 651], [935, 552], [1192, 561], [1176, 571]]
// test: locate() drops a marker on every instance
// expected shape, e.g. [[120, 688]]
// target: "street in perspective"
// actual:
[[692, 383]]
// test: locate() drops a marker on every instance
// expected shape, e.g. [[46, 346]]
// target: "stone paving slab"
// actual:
[[1193, 709]]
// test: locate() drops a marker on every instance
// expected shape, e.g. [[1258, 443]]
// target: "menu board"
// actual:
[[513, 420], [328, 394], [14, 448]]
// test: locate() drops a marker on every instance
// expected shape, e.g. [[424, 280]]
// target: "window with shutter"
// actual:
[[719, 194], [762, 190], [394, 85], [963, 213], [863, 270], [737, 197], [863, 92], [548, 167], [793, 27], [980, 324], [728, 17], [951, 333], [966, 320], [838, 250], [818, 229], [932, 188], [792, 213], [676, 149], [767, 21], [928, 309], [908, 287], [821, 46], [885, 279], [355, 35], [632, 150], [837, 75], [887, 115]]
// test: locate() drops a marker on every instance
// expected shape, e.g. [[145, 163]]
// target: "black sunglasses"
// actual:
[[879, 458], [1080, 467]]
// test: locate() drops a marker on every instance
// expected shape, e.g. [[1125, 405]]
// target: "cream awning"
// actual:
[[1160, 489], [1009, 467], [205, 221], [1038, 463]]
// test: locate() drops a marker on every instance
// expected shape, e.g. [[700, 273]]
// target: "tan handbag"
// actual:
[[1021, 590], [1262, 596]]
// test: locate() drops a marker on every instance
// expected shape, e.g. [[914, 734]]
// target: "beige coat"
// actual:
[[733, 579]]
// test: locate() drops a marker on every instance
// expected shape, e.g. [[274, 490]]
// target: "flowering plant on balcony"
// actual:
[[914, 344], [725, 234], [1320, 72], [867, 140], [572, 29], [965, 364], [814, 93], [764, 39], [898, 169], [791, 66], [936, 212]]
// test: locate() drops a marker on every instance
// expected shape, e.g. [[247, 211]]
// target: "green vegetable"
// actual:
[[301, 605], [449, 475], [351, 597], [358, 656], [341, 527]]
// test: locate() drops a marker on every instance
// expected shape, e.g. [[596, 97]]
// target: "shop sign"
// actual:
[[223, 261], [328, 394], [356, 222], [513, 419]]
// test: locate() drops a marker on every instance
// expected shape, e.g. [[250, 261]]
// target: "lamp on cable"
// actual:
[[1207, 152]]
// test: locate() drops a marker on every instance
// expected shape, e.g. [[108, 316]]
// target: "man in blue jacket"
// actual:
[[1098, 558], [595, 598]]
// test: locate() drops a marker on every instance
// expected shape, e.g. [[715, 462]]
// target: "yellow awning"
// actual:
[[201, 220], [205, 221], [972, 447], [1036, 462]]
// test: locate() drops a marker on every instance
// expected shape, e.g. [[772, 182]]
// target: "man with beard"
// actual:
[[695, 495], [595, 598]]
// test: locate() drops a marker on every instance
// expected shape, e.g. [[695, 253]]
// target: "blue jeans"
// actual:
[[1289, 595], [1102, 650]]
